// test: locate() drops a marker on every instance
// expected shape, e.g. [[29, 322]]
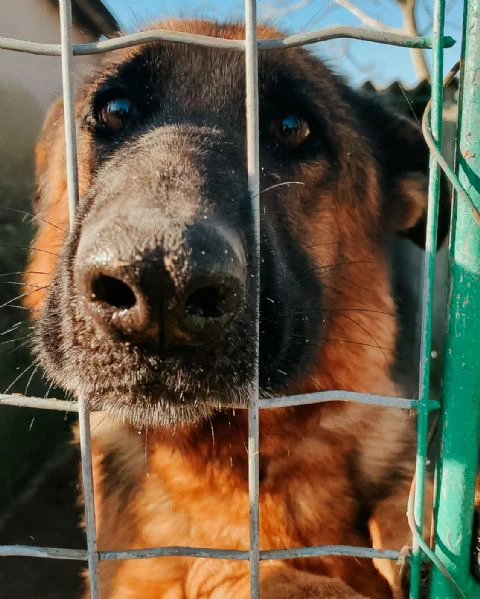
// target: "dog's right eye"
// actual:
[[114, 113]]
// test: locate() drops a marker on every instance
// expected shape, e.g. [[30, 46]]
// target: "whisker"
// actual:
[[24, 272], [99, 423], [30, 379], [28, 248], [22, 295], [409, 102], [316, 245], [48, 390], [24, 371], [360, 310], [33, 216], [14, 340], [281, 185], [21, 283], [365, 331], [12, 328], [338, 264], [20, 346], [334, 285], [356, 343]]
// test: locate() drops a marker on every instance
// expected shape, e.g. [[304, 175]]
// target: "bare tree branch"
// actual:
[[364, 18], [281, 8], [369, 69], [409, 27], [419, 61]]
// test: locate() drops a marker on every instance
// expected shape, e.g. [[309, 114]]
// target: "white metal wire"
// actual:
[[250, 46], [144, 37], [38, 403], [201, 552], [287, 401], [253, 171], [89, 500], [69, 107], [73, 194]]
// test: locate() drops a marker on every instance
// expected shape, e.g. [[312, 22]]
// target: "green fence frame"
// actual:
[[460, 412]]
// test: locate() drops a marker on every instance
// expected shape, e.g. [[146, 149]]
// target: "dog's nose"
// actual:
[[162, 298]]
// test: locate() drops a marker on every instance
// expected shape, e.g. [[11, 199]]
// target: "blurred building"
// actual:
[[28, 85], [38, 20]]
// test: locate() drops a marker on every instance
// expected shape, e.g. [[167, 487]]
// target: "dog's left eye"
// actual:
[[290, 130], [114, 113]]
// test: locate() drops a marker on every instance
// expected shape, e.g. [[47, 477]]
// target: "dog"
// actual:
[[148, 306]]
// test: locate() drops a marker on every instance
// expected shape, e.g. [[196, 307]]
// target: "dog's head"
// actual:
[[150, 304]]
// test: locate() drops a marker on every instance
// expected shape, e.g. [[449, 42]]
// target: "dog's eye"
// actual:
[[290, 130], [114, 113]]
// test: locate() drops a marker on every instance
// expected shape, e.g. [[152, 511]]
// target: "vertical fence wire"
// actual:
[[253, 169], [72, 190], [87, 482], [69, 106], [427, 295]]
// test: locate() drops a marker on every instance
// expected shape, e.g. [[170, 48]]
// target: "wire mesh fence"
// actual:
[[459, 438]]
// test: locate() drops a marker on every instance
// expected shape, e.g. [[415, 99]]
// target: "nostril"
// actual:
[[113, 292], [212, 301], [206, 302]]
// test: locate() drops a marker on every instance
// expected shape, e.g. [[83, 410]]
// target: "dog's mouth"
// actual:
[[183, 393], [190, 386], [169, 403], [149, 384]]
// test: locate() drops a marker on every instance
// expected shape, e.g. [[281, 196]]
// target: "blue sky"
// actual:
[[358, 60]]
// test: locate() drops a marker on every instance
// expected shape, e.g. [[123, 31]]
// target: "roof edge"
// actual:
[[93, 17]]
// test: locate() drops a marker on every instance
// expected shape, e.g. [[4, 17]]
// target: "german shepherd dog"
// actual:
[[149, 313]]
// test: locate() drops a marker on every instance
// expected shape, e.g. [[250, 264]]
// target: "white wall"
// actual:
[[28, 85], [34, 20]]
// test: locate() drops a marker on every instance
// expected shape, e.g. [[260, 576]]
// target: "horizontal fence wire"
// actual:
[[287, 401], [250, 45], [200, 552], [38, 403], [154, 35]]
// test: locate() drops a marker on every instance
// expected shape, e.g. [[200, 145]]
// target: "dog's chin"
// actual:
[[155, 406]]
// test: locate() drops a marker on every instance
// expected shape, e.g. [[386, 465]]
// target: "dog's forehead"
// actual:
[[213, 78], [183, 66]]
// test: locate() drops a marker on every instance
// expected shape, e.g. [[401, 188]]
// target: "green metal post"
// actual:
[[461, 386], [428, 286]]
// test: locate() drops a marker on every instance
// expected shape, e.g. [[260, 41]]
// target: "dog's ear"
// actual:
[[49, 159], [403, 156], [50, 206]]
